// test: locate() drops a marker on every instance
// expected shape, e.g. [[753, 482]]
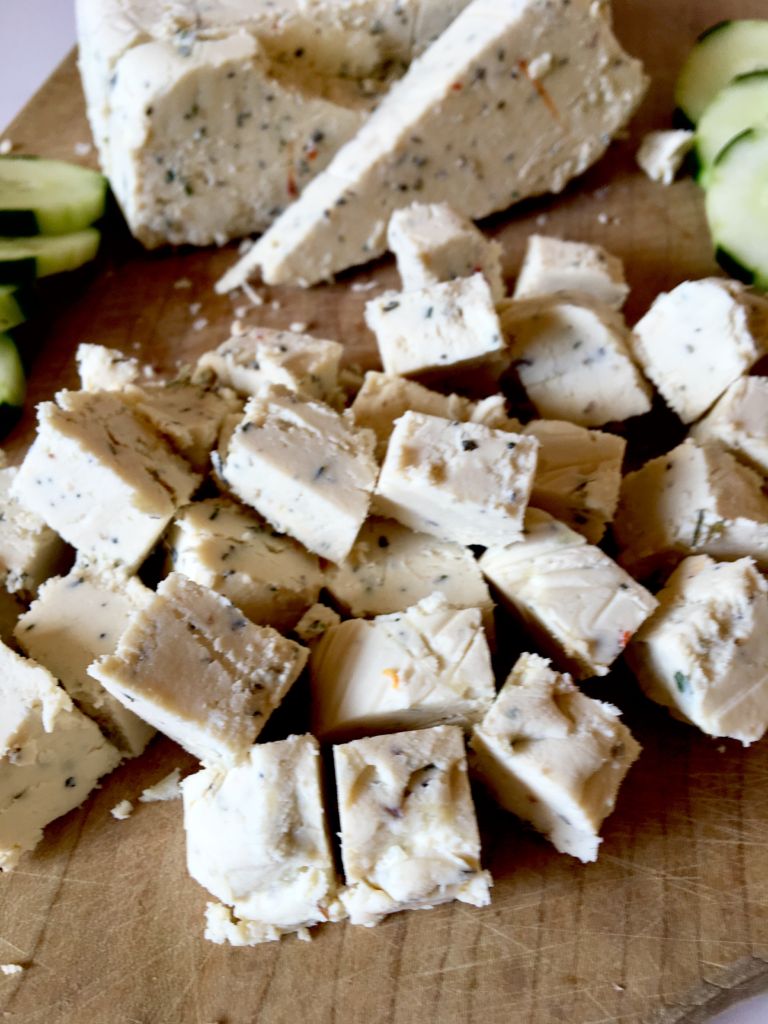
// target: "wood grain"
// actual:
[[673, 914]]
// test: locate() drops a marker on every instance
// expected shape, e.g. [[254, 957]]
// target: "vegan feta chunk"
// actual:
[[553, 756], [704, 652], [194, 667], [105, 369], [739, 421], [257, 839], [572, 356], [303, 467], [695, 499], [661, 154], [428, 665], [30, 551], [75, 619], [409, 838], [460, 482], [579, 602], [553, 265], [51, 755], [697, 339]]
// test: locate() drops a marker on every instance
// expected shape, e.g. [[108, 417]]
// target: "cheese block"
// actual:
[[704, 652], [30, 551], [553, 265], [105, 369], [739, 421], [512, 100], [409, 838]]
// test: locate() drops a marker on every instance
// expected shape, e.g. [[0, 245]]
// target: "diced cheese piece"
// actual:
[[697, 339], [578, 475], [553, 265], [105, 369], [428, 665], [78, 618], [271, 578], [460, 482], [262, 355], [739, 421], [704, 653], [432, 242], [101, 477], [409, 838], [583, 606], [661, 154], [553, 756], [391, 568], [449, 130], [195, 668], [304, 467], [257, 839], [30, 551], [696, 498], [574, 361], [315, 622], [122, 810], [168, 788], [51, 755]]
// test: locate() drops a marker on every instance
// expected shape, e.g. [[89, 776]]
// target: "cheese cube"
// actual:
[[409, 838], [661, 154], [75, 619], [552, 265], [438, 330], [739, 421], [578, 475], [224, 546], [101, 477], [697, 339], [432, 242], [262, 355], [574, 361], [575, 598], [303, 467], [51, 755], [315, 623], [460, 482], [428, 665], [105, 369], [553, 756], [704, 653], [257, 839], [30, 551], [696, 498], [391, 568], [194, 667]]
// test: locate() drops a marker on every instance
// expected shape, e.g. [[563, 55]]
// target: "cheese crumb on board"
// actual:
[[105, 369], [168, 788], [661, 153], [739, 422], [122, 810], [10, 969], [30, 551], [553, 265]]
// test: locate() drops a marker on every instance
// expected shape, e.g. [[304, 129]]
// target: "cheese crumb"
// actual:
[[11, 968], [200, 324], [299, 326], [194, 308], [245, 245], [167, 788], [5, 147], [252, 295], [122, 810], [82, 148], [241, 312], [363, 286], [182, 283], [274, 304]]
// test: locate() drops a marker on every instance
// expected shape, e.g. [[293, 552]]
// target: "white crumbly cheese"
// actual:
[[467, 125], [739, 421], [553, 756], [391, 568], [225, 546], [553, 265], [303, 467], [105, 369], [444, 330], [409, 838], [695, 499], [101, 477], [30, 551], [122, 810], [195, 668], [661, 153], [75, 619], [428, 665], [257, 839], [578, 475], [315, 622], [572, 356], [168, 788], [704, 653], [432, 242], [9, 969], [461, 482], [579, 602], [262, 355], [51, 755], [697, 339]]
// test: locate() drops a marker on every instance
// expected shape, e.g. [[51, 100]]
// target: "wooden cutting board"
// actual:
[[665, 925]]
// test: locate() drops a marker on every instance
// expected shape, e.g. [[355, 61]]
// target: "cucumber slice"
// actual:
[[722, 52], [737, 206], [743, 103], [23, 259], [48, 197], [13, 307], [12, 383]]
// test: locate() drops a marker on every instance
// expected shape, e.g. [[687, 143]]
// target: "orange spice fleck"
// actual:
[[393, 675], [624, 638]]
